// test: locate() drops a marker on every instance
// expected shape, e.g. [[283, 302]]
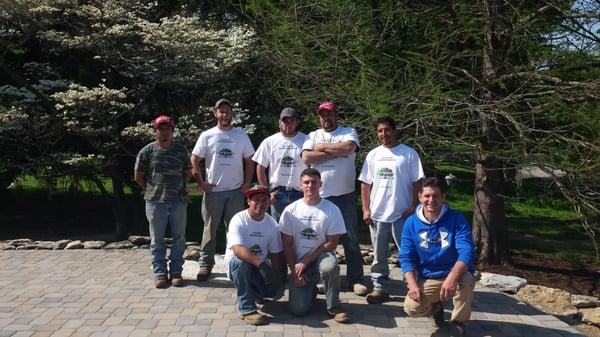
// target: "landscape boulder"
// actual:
[[119, 245], [93, 244], [508, 284], [139, 240], [77, 244]]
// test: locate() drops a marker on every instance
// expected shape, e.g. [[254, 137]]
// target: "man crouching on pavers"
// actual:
[[252, 236], [436, 256], [310, 228]]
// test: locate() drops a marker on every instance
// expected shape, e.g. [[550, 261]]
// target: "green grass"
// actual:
[[538, 220]]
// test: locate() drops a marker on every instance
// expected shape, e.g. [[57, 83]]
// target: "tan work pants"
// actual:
[[431, 296]]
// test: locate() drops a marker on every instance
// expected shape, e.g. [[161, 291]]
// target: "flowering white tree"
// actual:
[[81, 78]]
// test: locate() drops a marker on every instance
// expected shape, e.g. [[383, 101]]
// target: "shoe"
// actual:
[[461, 328], [339, 315], [438, 316], [360, 289], [320, 288], [177, 280], [204, 273], [254, 318], [161, 281], [377, 296]]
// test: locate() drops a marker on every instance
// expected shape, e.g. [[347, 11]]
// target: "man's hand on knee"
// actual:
[[266, 272]]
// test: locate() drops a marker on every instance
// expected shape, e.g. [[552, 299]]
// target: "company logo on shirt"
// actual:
[[385, 173], [257, 234], [225, 153], [308, 234], [426, 241], [287, 161], [255, 249]]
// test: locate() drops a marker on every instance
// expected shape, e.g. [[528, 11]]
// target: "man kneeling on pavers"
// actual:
[[436, 256], [253, 238], [310, 228]]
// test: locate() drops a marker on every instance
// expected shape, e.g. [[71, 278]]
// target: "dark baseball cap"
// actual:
[[288, 112], [223, 101]]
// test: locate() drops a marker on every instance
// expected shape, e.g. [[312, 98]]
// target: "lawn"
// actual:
[[538, 220]]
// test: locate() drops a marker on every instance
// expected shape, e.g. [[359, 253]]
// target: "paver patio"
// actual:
[[103, 293]]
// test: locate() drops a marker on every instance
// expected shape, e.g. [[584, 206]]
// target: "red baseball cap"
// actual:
[[162, 119], [327, 106], [255, 190]]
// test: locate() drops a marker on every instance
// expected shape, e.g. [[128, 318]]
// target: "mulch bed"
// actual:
[[572, 276]]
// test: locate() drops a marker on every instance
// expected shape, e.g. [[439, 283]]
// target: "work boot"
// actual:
[[438, 316], [204, 273], [339, 315], [177, 280], [360, 289], [254, 318], [161, 281], [377, 296], [460, 328]]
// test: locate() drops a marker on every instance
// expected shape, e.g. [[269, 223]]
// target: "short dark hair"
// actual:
[[311, 172], [386, 119], [432, 182]]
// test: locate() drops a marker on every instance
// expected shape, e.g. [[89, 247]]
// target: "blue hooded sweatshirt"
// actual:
[[431, 249]]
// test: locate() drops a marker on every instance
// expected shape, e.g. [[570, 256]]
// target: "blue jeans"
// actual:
[[282, 199], [354, 261], [249, 285], [326, 269], [217, 207], [380, 237], [161, 214]]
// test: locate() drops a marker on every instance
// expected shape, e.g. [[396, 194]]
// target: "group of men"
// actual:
[[308, 182]]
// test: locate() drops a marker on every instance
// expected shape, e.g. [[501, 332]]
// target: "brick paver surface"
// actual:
[[102, 293]]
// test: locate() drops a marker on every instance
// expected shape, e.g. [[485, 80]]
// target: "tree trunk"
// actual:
[[489, 212], [120, 209]]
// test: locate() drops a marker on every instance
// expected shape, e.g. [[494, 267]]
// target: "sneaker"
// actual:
[[177, 280], [461, 328], [339, 315], [360, 289], [161, 281], [204, 273], [377, 296], [320, 288], [254, 318], [438, 316]]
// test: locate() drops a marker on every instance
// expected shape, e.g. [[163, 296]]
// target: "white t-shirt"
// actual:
[[391, 172], [282, 155], [224, 152], [310, 225], [261, 237], [337, 174]]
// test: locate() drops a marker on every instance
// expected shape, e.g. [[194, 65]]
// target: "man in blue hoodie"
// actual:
[[436, 256]]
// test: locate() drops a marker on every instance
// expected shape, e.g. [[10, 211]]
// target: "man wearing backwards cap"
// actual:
[[251, 238], [332, 151], [162, 168], [224, 149], [280, 153]]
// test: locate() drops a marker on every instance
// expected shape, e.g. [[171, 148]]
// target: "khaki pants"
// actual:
[[431, 296]]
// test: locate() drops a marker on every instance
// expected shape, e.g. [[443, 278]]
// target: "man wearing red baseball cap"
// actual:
[[162, 169], [332, 151], [253, 255]]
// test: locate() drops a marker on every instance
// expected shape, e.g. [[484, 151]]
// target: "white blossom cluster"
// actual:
[[91, 110], [78, 160]]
